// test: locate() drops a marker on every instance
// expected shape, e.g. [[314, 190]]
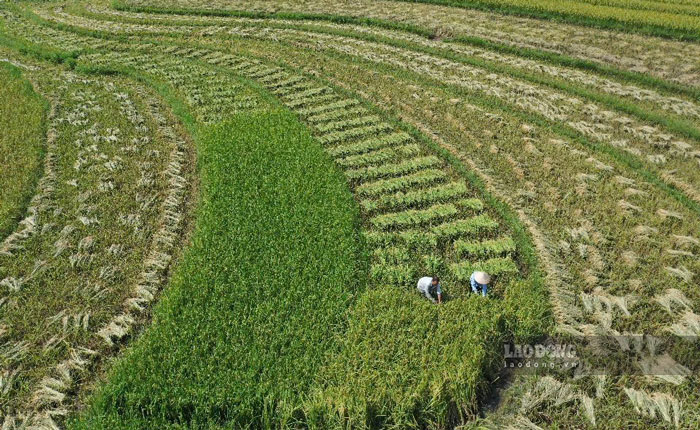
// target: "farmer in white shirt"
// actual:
[[430, 287]]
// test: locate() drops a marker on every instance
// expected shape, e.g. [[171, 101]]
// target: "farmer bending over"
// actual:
[[480, 282], [430, 286]]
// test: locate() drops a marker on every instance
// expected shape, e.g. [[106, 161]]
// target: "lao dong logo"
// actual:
[[539, 355]]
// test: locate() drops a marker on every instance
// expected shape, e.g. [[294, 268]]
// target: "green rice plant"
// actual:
[[338, 114], [378, 156], [415, 198], [391, 255], [299, 86], [402, 183], [281, 83], [393, 274], [260, 71], [412, 238], [486, 248], [396, 169], [21, 145], [328, 108], [475, 205], [353, 133], [412, 218], [433, 264], [370, 144], [473, 226], [494, 266], [315, 91], [275, 78], [349, 123], [411, 345], [311, 100]]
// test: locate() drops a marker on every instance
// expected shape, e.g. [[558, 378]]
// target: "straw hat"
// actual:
[[482, 277]]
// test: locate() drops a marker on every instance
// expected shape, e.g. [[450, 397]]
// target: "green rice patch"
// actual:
[[261, 297], [21, 145]]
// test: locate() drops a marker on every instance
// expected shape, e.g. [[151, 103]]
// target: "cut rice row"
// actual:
[[212, 103], [369, 144], [416, 197], [662, 58], [475, 226], [378, 156]]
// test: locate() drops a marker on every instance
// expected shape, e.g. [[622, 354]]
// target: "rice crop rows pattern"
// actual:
[[66, 295], [592, 143]]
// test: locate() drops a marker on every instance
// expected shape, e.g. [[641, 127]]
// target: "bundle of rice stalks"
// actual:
[[685, 241], [599, 302], [628, 208], [681, 272], [670, 297], [688, 326], [630, 258], [664, 368], [550, 391], [116, 329], [665, 214], [656, 404], [679, 253], [643, 232]]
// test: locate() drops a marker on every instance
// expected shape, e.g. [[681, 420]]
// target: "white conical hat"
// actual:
[[482, 277]]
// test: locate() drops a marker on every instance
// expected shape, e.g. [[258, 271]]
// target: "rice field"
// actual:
[[215, 213]]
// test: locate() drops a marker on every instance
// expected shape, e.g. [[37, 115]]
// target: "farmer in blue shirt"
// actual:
[[479, 282]]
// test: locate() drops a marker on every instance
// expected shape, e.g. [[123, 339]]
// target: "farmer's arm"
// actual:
[[439, 294]]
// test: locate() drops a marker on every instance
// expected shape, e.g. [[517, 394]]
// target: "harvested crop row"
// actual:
[[653, 99], [658, 57], [632, 137]]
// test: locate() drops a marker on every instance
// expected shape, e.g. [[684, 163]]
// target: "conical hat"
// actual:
[[482, 277]]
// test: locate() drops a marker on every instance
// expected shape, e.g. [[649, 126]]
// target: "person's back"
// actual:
[[430, 287], [479, 282]]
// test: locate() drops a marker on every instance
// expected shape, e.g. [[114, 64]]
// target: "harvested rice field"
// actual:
[[214, 215]]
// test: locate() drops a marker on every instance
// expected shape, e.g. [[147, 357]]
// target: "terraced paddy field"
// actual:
[[214, 214]]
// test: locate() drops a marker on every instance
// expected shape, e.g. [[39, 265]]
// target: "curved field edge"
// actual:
[[553, 58], [22, 115]]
